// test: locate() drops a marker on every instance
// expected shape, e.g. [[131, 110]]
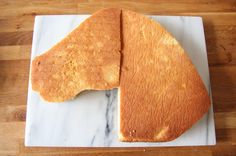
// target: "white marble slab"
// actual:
[[91, 119]]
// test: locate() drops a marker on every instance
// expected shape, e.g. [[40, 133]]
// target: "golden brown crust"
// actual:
[[88, 58], [161, 93]]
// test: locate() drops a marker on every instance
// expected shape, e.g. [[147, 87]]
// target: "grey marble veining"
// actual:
[[91, 119]]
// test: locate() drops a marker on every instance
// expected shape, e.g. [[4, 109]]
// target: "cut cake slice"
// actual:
[[161, 92], [88, 58]]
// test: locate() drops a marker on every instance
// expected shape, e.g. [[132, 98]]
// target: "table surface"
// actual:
[[16, 29]]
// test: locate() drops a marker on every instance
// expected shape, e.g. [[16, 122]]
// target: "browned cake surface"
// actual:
[[88, 58], [161, 93]]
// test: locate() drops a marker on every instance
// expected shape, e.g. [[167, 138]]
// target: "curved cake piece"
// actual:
[[161, 93], [88, 58]]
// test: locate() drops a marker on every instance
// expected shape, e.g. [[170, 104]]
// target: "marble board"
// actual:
[[91, 119]]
